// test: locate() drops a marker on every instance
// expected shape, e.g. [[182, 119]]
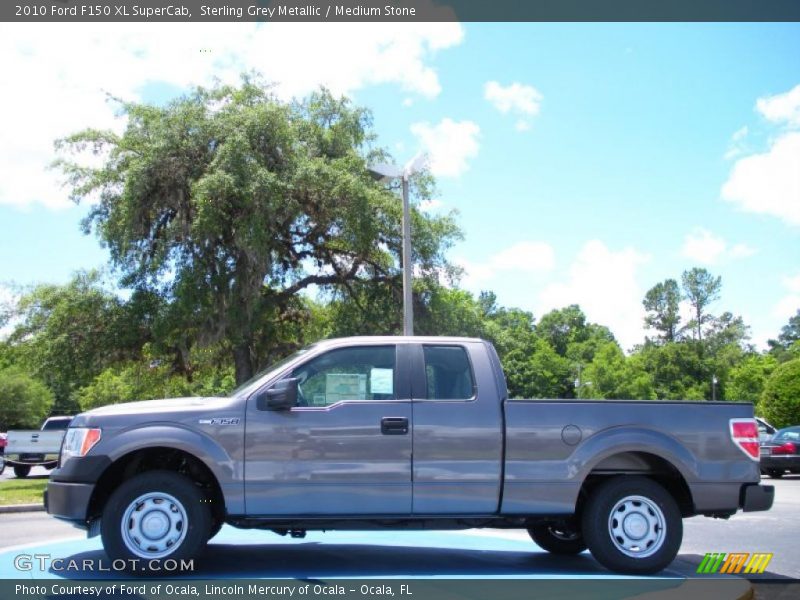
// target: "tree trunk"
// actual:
[[243, 362]]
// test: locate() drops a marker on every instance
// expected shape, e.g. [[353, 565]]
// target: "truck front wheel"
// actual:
[[156, 515], [632, 525], [557, 538]]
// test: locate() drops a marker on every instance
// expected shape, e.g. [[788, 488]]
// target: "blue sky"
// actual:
[[587, 161]]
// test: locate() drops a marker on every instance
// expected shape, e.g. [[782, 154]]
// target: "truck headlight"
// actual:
[[78, 441]]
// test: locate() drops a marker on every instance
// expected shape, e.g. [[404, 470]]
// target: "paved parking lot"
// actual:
[[479, 553]]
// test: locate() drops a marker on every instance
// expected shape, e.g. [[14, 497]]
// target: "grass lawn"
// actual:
[[22, 491]]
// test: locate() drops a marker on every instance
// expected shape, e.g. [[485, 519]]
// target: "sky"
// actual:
[[587, 162]]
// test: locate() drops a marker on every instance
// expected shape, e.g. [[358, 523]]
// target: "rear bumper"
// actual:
[[757, 497], [68, 501], [45, 459], [782, 463]]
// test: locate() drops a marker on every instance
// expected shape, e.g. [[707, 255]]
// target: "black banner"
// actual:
[[399, 10], [723, 588]]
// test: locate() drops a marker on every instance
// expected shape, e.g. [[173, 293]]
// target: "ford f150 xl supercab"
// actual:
[[405, 432]]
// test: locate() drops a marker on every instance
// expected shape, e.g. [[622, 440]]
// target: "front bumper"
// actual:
[[68, 501], [757, 497]]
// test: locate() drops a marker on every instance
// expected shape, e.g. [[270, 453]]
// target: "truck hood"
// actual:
[[186, 410], [150, 407]]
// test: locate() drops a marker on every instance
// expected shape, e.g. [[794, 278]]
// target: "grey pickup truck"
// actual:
[[405, 433]]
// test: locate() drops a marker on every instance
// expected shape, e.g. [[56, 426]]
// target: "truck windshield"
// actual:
[[273, 367]]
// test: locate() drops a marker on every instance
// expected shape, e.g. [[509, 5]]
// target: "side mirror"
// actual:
[[281, 396]]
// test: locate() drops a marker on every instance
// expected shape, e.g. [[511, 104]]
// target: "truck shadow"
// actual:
[[314, 559]]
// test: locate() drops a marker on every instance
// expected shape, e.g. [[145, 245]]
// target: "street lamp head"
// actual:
[[384, 172]]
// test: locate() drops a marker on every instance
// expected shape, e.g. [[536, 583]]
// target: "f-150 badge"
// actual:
[[220, 421]]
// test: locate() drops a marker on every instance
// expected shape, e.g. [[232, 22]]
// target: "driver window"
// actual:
[[360, 373]]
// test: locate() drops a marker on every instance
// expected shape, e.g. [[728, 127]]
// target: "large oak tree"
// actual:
[[228, 202]]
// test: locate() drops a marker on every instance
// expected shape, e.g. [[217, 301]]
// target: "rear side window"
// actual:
[[448, 373]]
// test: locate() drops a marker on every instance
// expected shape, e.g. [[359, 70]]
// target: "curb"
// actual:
[[20, 508]]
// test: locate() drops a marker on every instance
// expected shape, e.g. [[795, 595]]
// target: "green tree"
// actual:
[[67, 334], [611, 375], [24, 401], [540, 374], [700, 289], [748, 377], [228, 202], [787, 346], [662, 305], [780, 402]]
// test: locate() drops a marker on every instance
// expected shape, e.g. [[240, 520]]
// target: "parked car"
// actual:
[[781, 453], [765, 430], [2, 452], [328, 445], [27, 449]]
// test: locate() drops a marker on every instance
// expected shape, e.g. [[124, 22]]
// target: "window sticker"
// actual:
[[381, 381], [345, 386]]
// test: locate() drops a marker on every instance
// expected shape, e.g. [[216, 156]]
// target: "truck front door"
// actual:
[[345, 448]]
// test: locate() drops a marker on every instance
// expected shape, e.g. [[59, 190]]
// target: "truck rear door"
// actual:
[[458, 430]]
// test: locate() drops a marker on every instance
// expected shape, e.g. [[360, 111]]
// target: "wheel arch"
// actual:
[[152, 458], [637, 451]]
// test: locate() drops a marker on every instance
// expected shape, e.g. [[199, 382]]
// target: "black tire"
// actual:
[[557, 538], [22, 471], [216, 525], [2, 464], [775, 473], [647, 541], [177, 503]]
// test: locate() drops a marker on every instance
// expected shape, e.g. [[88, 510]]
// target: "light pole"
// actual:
[[714, 382], [386, 172]]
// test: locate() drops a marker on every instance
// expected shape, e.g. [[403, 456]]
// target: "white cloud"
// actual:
[[789, 304], [781, 108], [604, 283], [449, 145], [708, 248], [736, 146], [517, 98], [768, 183], [527, 257], [54, 78]]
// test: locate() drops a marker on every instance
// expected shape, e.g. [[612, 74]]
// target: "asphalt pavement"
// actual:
[[36, 472], [485, 553]]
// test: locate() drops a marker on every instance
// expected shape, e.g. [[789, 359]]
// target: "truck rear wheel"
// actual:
[[22, 471], [156, 515], [632, 525], [557, 538]]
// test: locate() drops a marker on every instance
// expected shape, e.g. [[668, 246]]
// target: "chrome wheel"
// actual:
[[637, 526], [154, 525]]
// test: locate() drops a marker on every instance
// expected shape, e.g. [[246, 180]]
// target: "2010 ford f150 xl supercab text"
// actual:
[[405, 432]]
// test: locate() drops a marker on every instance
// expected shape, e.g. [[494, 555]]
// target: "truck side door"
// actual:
[[458, 430], [345, 448]]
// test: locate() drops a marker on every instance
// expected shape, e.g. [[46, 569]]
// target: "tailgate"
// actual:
[[34, 442]]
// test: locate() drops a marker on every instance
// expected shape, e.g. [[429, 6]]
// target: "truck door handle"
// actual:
[[394, 425]]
